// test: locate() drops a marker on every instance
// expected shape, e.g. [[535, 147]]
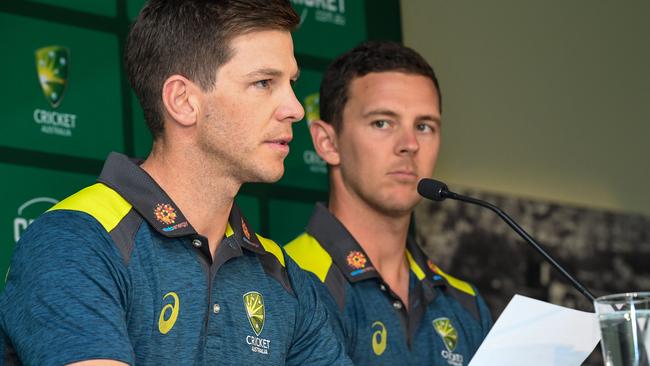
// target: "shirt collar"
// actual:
[[346, 253], [422, 266], [125, 176], [350, 257]]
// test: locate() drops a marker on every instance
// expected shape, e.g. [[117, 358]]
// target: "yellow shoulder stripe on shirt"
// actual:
[[100, 202], [309, 255], [271, 247]]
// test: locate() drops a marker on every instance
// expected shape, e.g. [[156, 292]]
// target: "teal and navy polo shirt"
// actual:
[[116, 271], [447, 319]]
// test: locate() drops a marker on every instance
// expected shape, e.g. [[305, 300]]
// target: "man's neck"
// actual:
[[204, 198], [381, 236]]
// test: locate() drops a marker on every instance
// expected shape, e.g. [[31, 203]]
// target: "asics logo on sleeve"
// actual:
[[168, 314]]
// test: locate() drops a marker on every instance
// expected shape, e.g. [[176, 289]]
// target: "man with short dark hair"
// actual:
[[379, 133], [154, 264]]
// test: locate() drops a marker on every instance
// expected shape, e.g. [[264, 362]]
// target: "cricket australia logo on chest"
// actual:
[[255, 311], [449, 336]]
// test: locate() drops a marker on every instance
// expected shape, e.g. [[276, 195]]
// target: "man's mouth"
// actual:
[[404, 174], [281, 143]]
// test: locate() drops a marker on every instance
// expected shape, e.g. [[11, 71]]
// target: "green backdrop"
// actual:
[[67, 104]]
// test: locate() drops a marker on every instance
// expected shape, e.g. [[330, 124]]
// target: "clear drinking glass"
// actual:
[[624, 328]]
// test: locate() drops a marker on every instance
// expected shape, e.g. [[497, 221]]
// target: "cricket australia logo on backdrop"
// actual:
[[309, 156], [449, 336], [256, 313], [52, 70], [325, 11]]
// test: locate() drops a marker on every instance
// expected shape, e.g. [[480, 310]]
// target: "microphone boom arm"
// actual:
[[524, 235]]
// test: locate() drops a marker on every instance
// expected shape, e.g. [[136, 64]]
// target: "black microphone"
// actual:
[[438, 191]]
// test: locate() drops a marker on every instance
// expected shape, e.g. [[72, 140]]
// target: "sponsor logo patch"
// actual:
[[244, 228], [165, 213], [356, 259]]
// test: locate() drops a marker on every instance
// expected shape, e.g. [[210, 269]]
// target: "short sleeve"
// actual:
[[66, 294]]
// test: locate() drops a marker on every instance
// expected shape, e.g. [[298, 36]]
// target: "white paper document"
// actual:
[[532, 332]]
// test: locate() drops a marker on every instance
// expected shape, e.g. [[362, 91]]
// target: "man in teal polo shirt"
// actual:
[[154, 265], [379, 134]]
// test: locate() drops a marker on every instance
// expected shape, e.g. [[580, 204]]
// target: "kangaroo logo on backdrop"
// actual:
[[325, 11], [449, 336], [255, 311], [28, 211], [52, 70]]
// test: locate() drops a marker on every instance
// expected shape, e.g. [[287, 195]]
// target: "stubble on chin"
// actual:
[[395, 205]]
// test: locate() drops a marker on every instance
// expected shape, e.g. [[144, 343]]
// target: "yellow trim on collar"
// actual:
[[309, 255], [455, 282], [100, 202], [271, 247], [415, 267], [229, 230]]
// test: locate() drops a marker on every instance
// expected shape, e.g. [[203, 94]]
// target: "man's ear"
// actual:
[[325, 142], [180, 100]]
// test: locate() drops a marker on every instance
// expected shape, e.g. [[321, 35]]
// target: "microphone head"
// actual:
[[432, 189]]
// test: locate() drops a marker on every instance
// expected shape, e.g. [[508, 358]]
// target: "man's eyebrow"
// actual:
[[380, 112], [270, 72], [430, 118], [390, 113], [265, 72]]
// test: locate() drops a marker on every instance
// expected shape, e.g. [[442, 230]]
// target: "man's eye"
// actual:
[[263, 83], [423, 127], [380, 123]]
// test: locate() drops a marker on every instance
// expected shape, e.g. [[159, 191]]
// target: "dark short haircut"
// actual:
[[368, 57], [192, 38]]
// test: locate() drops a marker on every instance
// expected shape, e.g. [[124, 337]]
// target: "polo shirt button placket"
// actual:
[[216, 308], [197, 243], [397, 305]]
